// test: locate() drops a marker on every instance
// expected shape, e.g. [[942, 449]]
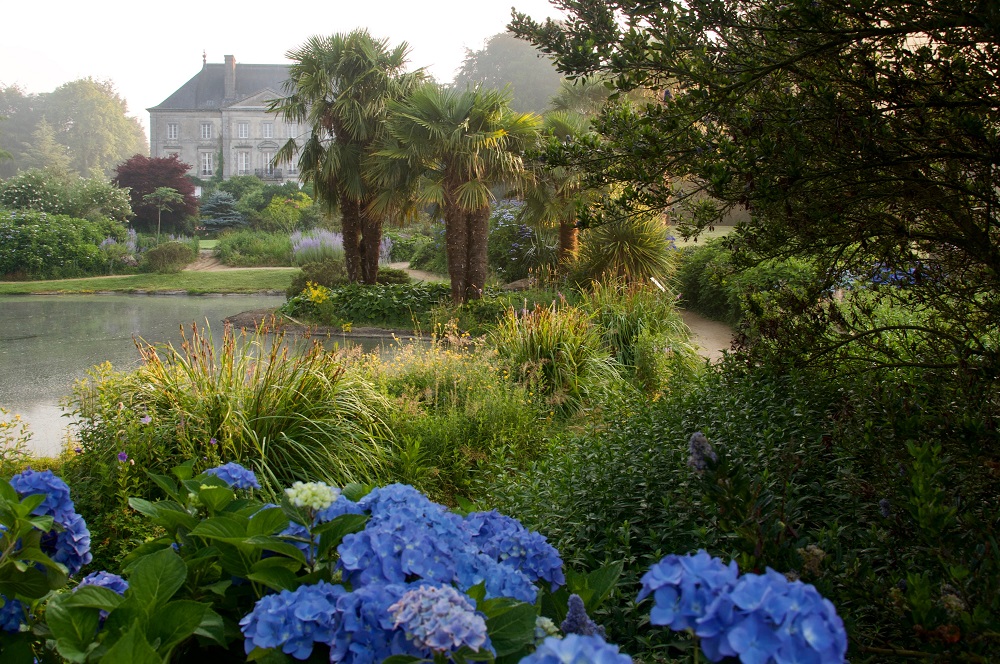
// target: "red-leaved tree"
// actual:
[[144, 175]]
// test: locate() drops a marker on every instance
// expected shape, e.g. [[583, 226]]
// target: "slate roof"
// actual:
[[206, 90]]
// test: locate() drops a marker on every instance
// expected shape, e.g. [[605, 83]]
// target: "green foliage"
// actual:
[[782, 109], [37, 245], [168, 257], [457, 418], [294, 414], [405, 243], [516, 250], [389, 305], [712, 285], [283, 213], [57, 193], [628, 248], [15, 438], [429, 252], [558, 353], [328, 273], [643, 329], [246, 248]]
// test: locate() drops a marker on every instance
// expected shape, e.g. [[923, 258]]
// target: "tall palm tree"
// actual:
[[339, 86], [461, 143], [554, 196]]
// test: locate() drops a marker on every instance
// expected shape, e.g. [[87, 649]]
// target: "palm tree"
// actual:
[[339, 86], [461, 143], [555, 195]]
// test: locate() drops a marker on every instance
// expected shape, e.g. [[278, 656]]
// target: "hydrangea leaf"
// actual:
[[174, 622], [94, 597], [332, 532], [275, 578], [212, 627], [72, 627], [511, 625], [155, 578], [267, 521], [168, 485], [216, 498], [132, 648]]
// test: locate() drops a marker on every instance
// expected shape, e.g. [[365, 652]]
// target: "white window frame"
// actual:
[[242, 130], [267, 159], [243, 163], [292, 130], [206, 164], [172, 130], [267, 129], [206, 131]]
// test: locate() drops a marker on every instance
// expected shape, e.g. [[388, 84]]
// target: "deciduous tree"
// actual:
[[144, 175], [506, 61], [863, 133]]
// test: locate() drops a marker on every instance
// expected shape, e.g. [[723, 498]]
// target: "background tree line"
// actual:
[[82, 127]]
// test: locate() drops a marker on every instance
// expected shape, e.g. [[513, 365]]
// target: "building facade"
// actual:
[[218, 120]]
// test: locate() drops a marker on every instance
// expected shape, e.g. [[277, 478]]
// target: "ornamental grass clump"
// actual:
[[558, 352]]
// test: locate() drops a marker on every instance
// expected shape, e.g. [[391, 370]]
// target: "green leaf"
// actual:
[[401, 659], [354, 491], [154, 579], [168, 485], [133, 648], [16, 649], [215, 498], [31, 583], [277, 545], [7, 492], [73, 628], [226, 528], [30, 503], [93, 597], [212, 627], [511, 625], [332, 532], [268, 522], [275, 578], [594, 588], [174, 622], [184, 471]]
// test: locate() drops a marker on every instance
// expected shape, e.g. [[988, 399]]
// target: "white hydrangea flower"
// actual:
[[314, 495]]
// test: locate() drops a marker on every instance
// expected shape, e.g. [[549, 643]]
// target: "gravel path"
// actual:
[[711, 337]]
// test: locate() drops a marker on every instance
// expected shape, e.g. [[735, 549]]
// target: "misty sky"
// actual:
[[150, 49]]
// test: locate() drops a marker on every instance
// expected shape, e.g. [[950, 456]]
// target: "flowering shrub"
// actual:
[[387, 573], [759, 618]]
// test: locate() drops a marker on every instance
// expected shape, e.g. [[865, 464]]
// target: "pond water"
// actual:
[[49, 341]]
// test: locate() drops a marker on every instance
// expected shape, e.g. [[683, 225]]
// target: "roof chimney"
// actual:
[[230, 77]]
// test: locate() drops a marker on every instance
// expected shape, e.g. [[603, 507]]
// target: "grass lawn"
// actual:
[[194, 283], [207, 244]]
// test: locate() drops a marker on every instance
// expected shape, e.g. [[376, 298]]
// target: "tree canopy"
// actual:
[[144, 175], [508, 61], [862, 133], [87, 118]]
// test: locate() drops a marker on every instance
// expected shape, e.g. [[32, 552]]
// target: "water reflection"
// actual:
[[49, 341]]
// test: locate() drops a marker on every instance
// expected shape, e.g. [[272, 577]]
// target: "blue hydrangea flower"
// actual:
[[366, 632], [440, 619], [70, 543], [293, 620], [12, 615], [683, 587], [105, 580], [235, 475], [57, 503], [576, 649], [473, 568], [508, 542], [577, 621]]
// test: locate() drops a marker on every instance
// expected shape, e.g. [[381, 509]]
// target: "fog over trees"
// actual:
[[82, 127]]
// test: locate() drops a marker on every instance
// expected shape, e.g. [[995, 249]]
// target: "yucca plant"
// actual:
[[558, 351], [289, 413], [626, 248]]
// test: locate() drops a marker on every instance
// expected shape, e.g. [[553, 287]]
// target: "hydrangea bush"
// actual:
[[357, 576]]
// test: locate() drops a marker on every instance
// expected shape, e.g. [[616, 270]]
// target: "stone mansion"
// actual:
[[221, 112]]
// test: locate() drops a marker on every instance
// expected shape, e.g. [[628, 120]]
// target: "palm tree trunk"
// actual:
[[478, 222], [457, 242], [569, 241], [350, 212], [371, 241]]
